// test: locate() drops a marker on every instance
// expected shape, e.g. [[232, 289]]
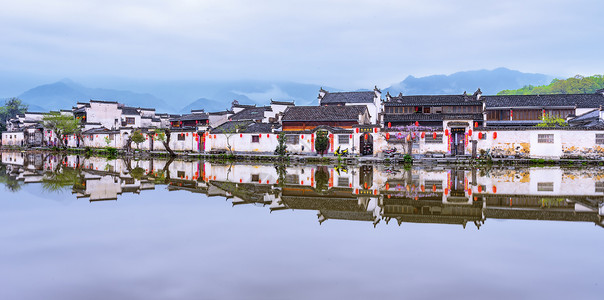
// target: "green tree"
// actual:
[[11, 108], [62, 125], [163, 135], [549, 121], [137, 137], [321, 142], [281, 149], [574, 85]]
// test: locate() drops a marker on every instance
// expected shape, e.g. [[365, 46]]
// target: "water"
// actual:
[[78, 228]]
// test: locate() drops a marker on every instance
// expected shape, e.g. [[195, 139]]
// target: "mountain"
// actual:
[[489, 81], [65, 93]]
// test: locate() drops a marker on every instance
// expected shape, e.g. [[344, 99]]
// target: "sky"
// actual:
[[350, 44]]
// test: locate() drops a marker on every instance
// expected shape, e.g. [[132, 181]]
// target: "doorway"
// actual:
[[366, 144], [458, 139]]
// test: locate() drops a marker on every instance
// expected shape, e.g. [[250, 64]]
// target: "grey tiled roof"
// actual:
[[191, 117], [557, 100], [130, 111], [432, 100], [431, 117], [348, 97], [245, 126], [323, 113], [250, 113]]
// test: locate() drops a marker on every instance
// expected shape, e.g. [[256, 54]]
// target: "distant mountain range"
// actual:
[[490, 82], [182, 96]]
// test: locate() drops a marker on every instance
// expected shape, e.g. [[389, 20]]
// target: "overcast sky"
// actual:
[[349, 44]]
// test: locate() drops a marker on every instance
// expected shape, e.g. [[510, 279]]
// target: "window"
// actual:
[[343, 181], [255, 177], [343, 139], [292, 139], [181, 136], [255, 139], [545, 186], [600, 187], [431, 140], [180, 174], [292, 179], [545, 138], [129, 120], [426, 109], [599, 139]]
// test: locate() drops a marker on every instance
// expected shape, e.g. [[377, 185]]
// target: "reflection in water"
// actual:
[[356, 193]]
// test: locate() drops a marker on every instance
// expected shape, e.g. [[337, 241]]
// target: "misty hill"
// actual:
[[489, 81], [65, 93]]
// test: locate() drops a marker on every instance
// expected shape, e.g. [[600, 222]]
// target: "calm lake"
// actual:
[[90, 228]]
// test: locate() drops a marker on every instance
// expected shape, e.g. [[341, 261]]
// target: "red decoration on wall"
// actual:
[[480, 188], [375, 130], [495, 135], [494, 190], [357, 130], [267, 135], [387, 135], [302, 136], [470, 132], [480, 135], [416, 123], [447, 132], [433, 135], [475, 124], [389, 125], [241, 135], [423, 135], [350, 136]]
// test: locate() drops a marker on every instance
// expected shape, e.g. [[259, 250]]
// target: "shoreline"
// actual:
[[327, 159]]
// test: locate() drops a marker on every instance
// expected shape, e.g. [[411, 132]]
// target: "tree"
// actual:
[[62, 125], [11, 108], [549, 121], [410, 134], [230, 129], [321, 142], [163, 135], [281, 149], [137, 137]]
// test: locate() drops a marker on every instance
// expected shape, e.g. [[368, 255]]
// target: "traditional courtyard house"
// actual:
[[528, 110], [370, 99], [448, 117], [590, 119], [242, 137], [277, 109], [192, 121], [300, 124], [104, 113], [102, 137]]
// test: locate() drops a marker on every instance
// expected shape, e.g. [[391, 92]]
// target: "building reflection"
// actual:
[[457, 195]]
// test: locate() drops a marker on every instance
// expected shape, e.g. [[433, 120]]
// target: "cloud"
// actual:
[[349, 44]]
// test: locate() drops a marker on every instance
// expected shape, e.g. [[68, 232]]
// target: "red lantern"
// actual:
[[357, 130], [469, 192], [277, 136], [366, 136], [475, 124], [480, 188], [434, 187], [331, 135], [302, 136], [214, 136], [350, 136], [433, 135], [375, 130], [447, 132], [389, 125], [240, 135], [480, 135], [387, 135], [423, 135], [267, 135], [495, 135], [416, 123], [446, 191], [494, 190], [470, 132]]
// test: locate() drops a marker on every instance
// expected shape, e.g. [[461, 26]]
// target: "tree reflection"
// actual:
[[61, 178], [10, 183]]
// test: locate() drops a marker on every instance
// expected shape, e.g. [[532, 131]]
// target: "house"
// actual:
[[298, 118], [528, 110], [242, 136], [431, 110], [193, 120], [370, 99]]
